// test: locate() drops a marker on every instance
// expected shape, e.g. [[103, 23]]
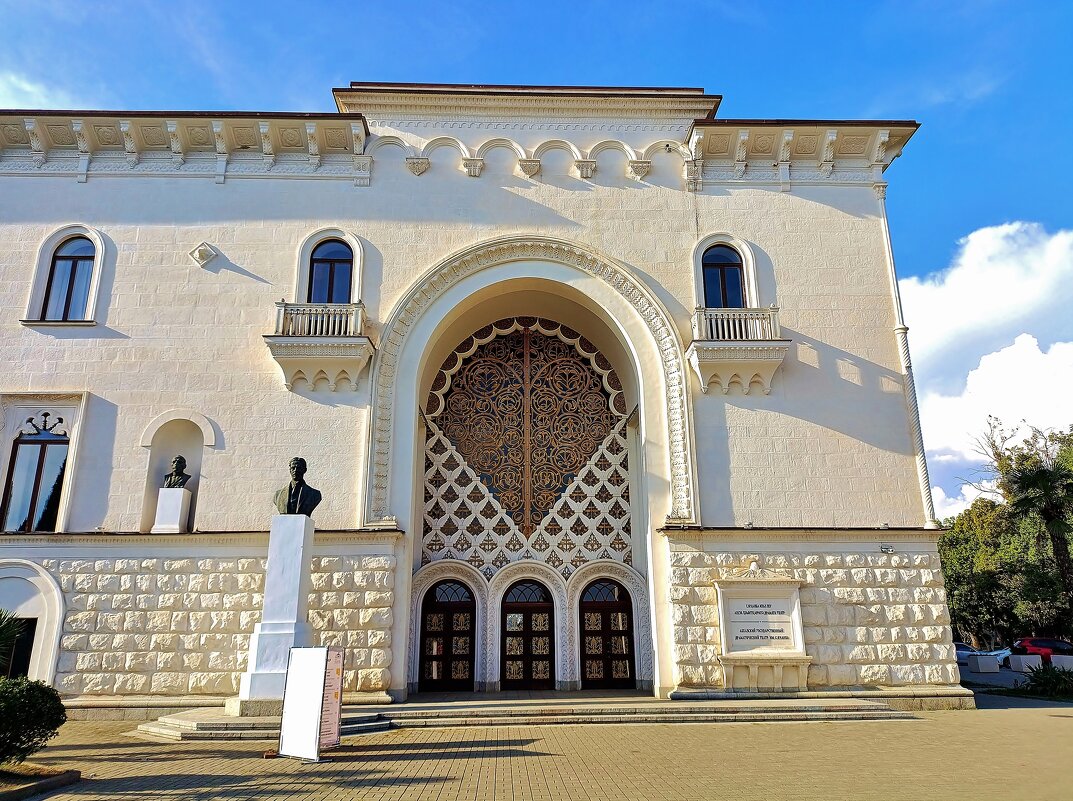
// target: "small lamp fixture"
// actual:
[[886, 549]]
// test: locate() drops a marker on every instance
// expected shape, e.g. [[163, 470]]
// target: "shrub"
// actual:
[[31, 714], [1050, 681]]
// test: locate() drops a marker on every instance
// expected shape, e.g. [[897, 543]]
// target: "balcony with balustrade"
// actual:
[[737, 346], [316, 342]]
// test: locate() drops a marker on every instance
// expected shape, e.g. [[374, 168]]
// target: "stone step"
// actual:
[[210, 724], [404, 712], [583, 718]]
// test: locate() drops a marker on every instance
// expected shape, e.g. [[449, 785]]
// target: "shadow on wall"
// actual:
[[93, 477]]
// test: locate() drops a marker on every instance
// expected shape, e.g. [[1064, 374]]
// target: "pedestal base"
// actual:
[[172, 511], [283, 625]]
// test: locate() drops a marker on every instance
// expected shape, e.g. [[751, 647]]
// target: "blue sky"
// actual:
[[991, 82]]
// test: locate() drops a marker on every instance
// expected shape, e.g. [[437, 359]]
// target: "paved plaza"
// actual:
[[1009, 748]]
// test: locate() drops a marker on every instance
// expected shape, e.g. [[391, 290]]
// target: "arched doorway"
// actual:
[[528, 645], [607, 646], [448, 626]]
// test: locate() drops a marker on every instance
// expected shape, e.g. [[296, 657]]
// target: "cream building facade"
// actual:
[[600, 390]]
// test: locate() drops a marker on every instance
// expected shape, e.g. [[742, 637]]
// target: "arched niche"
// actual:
[[32, 593], [181, 434]]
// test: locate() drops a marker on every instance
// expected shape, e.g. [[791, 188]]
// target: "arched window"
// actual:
[[724, 286], [35, 477], [68, 287], [527, 592], [330, 269]]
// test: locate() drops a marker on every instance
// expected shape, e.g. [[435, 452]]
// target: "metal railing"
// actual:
[[736, 325], [320, 319]]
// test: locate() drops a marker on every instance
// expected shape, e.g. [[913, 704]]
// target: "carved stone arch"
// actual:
[[476, 258], [422, 582], [613, 144], [378, 142], [43, 266], [635, 583], [305, 251], [46, 648], [208, 432], [445, 141], [557, 144], [748, 264], [501, 141], [498, 588], [667, 145]]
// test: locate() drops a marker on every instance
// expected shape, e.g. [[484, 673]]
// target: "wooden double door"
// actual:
[[528, 644], [448, 638], [607, 647]]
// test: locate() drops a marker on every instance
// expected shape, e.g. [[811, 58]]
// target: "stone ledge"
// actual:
[[916, 698]]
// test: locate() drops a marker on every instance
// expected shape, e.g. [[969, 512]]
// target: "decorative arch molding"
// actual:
[[635, 583], [613, 144], [43, 266], [667, 145], [423, 581], [557, 144], [378, 142], [748, 263], [502, 581], [47, 639], [516, 248], [500, 141], [305, 252], [446, 141], [208, 432]]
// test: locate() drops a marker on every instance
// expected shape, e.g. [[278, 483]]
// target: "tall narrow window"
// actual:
[[330, 268], [35, 477], [68, 281], [723, 284]]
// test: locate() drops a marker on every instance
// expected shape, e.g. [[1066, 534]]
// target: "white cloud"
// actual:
[[949, 506], [1018, 382], [17, 91], [1004, 281], [991, 335]]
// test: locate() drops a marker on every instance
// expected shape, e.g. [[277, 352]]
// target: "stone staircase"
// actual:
[[212, 724]]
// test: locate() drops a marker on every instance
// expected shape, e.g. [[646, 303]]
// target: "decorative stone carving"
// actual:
[[529, 167], [222, 150], [202, 254], [268, 151], [129, 146], [639, 168], [485, 255], [312, 144], [37, 149], [417, 164], [363, 170], [694, 175], [729, 363], [879, 155], [827, 157], [473, 166], [178, 155], [586, 168]]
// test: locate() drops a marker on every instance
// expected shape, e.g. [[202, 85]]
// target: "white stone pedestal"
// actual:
[[172, 511], [283, 620], [983, 663]]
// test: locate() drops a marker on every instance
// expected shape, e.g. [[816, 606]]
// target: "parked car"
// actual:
[[1044, 646], [1001, 654], [963, 650]]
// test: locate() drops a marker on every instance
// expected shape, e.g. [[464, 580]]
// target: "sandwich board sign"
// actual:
[[312, 702]]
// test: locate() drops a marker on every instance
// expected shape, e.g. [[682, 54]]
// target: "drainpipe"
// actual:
[[901, 334]]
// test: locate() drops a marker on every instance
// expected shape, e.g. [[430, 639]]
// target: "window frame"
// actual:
[[76, 263], [30, 442], [41, 282], [750, 293], [304, 271], [332, 265]]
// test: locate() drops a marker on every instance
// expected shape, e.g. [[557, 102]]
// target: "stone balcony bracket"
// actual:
[[737, 346], [320, 341]]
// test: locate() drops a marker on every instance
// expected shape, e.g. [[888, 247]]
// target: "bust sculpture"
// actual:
[[177, 478], [297, 498]]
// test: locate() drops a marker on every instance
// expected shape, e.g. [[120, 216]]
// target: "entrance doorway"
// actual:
[[448, 623], [606, 621], [528, 638]]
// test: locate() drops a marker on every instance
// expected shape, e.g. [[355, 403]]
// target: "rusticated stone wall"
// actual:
[[869, 618], [183, 626]]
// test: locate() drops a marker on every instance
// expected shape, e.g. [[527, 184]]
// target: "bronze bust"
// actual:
[[297, 498], [177, 478]]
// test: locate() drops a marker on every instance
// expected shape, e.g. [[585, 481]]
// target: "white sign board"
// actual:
[[756, 623], [312, 702]]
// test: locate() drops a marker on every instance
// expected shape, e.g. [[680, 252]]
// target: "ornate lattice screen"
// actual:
[[525, 455]]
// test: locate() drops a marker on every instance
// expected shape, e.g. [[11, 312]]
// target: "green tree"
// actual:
[[10, 626]]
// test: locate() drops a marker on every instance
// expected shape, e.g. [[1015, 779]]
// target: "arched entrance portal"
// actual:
[[607, 645], [448, 643], [526, 453], [528, 645]]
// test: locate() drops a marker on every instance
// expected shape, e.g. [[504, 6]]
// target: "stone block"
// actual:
[[983, 663], [373, 679], [1022, 662], [375, 600], [169, 683], [871, 675]]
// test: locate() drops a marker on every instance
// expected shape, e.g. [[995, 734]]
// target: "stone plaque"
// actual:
[[760, 623]]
